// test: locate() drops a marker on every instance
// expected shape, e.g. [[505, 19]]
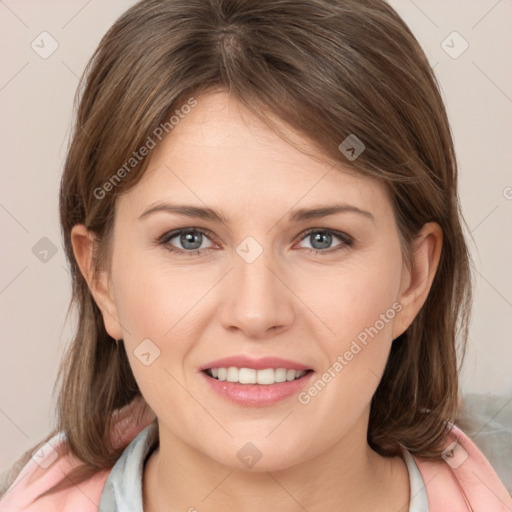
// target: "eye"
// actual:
[[322, 239], [190, 239]]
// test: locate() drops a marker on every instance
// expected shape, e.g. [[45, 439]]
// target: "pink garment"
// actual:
[[464, 481]]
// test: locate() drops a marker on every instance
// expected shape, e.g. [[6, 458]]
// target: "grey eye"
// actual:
[[191, 240], [320, 239]]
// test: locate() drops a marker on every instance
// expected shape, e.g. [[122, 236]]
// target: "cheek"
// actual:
[[152, 305], [355, 298], [153, 298], [359, 306]]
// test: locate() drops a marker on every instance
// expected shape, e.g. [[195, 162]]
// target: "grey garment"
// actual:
[[418, 499], [123, 487]]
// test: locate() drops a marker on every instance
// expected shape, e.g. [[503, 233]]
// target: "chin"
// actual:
[[258, 457]]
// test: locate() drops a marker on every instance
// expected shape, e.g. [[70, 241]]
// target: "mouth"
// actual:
[[256, 387], [263, 377]]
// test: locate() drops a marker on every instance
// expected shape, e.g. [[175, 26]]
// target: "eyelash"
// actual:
[[347, 241]]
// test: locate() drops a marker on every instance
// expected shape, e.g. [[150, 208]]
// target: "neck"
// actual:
[[349, 476]]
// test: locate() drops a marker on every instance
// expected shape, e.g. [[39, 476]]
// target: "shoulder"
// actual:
[[50, 462], [46, 467], [463, 478]]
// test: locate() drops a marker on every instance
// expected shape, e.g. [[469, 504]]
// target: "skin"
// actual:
[[288, 303]]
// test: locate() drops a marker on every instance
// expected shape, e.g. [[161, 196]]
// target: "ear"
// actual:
[[417, 281], [83, 242]]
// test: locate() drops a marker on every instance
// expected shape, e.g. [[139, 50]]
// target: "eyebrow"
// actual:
[[299, 215]]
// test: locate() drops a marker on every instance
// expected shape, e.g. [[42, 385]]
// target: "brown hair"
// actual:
[[328, 69]]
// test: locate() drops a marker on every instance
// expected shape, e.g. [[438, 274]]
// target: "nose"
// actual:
[[257, 300]]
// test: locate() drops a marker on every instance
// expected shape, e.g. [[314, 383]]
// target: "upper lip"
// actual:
[[243, 361]]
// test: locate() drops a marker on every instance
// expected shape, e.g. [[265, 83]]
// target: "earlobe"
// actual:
[[417, 280], [83, 242]]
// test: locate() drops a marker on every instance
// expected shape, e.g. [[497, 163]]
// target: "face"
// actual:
[[266, 286]]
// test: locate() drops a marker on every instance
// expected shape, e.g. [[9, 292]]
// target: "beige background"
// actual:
[[36, 97]]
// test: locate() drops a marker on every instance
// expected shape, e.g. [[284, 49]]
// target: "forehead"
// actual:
[[220, 154]]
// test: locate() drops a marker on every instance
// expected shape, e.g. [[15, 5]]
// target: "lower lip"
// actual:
[[257, 395]]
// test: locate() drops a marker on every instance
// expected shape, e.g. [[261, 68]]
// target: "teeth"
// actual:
[[251, 376], [244, 375]]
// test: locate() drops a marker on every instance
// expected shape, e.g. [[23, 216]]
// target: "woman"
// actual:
[[219, 363]]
